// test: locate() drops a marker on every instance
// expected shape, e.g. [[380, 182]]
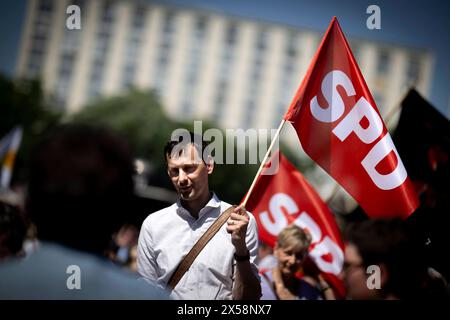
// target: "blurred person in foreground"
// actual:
[[12, 232], [283, 281], [122, 243], [387, 245], [225, 268], [80, 188]]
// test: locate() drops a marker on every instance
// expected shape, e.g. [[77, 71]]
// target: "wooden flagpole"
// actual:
[[263, 162]]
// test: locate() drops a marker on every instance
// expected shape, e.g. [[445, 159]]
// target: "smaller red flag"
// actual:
[[286, 197]]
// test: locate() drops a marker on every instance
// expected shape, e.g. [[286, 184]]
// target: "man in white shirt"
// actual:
[[225, 268]]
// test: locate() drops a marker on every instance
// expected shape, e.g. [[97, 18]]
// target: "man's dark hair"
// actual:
[[81, 186], [12, 231], [182, 141], [390, 242]]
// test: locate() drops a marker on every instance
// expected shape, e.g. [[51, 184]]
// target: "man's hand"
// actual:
[[246, 285], [237, 226]]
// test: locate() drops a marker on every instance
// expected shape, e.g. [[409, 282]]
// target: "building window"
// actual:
[[292, 46], [260, 47], [194, 65], [134, 36], [200, 27], [413, 71], [68, 55], [226, 64], [169, 22], [41, 29], [139, 16], [231, 34], [255, 75], [249, 114], [104, 35], [383, 62], [45, 6], [261, 40], [219, 104], [165, 48], [291, 54]]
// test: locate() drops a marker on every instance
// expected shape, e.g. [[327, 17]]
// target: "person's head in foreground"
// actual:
[[382, 261], [80, 191], [80, 187], [12, 231]]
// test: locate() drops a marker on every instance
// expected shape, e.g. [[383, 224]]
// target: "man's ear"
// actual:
[[210, 165]]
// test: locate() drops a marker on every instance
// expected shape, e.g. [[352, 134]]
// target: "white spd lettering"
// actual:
[[336, 105], [380, 150], [352, 123], [276, 203], [322, 247]]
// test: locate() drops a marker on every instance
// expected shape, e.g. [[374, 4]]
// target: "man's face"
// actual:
[[355, 276], [289, 259], [189, 174]]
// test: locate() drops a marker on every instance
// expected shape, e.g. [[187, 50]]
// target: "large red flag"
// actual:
[[286, 197], [341, 129]]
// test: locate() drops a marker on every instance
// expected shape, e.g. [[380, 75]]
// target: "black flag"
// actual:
[[422, 138]]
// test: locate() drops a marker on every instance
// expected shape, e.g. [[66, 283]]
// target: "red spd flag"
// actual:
[[340, 128], [286, 197]]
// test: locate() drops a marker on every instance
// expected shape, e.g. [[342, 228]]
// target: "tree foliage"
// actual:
[[22, 103], [139, 116]]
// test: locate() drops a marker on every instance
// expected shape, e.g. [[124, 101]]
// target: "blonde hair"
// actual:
[[294, 236]]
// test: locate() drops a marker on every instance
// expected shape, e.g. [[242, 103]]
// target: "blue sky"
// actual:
[[423, 24]]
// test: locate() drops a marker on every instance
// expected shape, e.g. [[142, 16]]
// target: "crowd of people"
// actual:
[[79, 193]]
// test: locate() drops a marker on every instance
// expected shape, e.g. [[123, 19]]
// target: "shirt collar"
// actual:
[[213, 203]]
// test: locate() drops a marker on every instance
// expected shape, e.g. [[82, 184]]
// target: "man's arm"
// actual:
[[247, 285], [146, 261]]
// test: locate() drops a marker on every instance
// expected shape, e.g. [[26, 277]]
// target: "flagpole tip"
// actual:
[[335, 22]]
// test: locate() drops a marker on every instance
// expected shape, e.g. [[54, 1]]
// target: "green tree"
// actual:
[[139, 116], [22, 103]]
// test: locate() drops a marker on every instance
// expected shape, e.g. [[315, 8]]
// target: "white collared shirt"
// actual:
[[168, 235]]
